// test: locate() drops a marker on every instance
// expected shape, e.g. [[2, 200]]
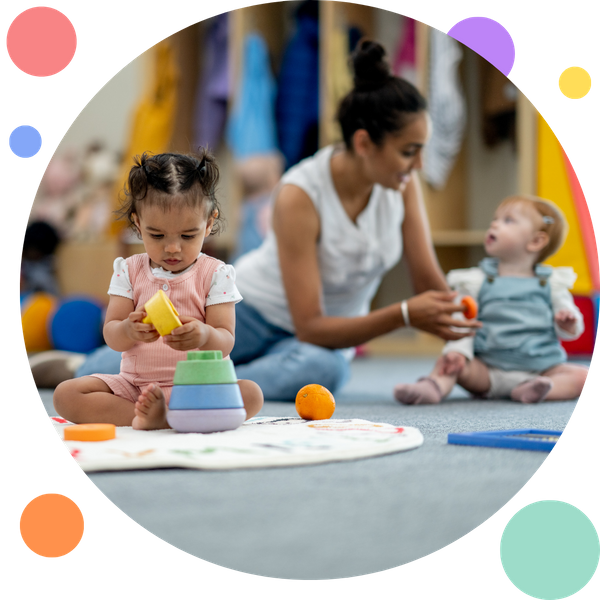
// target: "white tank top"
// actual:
[[353, 257]]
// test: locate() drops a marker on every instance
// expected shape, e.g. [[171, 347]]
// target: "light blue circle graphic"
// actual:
[[25, 141], [549, 550]]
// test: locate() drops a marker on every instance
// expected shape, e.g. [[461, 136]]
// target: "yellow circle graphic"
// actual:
[[575, 82]]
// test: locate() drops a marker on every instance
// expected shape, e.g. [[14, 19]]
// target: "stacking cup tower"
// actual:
[[206, 396]]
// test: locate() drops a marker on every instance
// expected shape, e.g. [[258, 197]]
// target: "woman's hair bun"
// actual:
[[379, 102], [371, 68]]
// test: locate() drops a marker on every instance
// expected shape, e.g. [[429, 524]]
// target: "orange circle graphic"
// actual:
[[51, 525]]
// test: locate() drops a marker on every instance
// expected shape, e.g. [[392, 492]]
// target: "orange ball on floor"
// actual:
[[315, 402]]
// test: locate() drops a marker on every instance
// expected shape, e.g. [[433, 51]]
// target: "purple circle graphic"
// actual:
[[489, 39]]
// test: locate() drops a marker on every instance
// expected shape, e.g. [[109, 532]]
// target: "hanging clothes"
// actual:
[[405, 59], [339, 79], [297, 105], [498, 105], [251, 127], [447, 107], [355, 34], [212, 94], [154, 116]]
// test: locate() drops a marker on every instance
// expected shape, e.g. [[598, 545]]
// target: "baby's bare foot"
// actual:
[[150, 409], [425, 391], [533, 390]]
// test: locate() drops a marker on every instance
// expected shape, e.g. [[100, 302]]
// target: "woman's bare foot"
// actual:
[[150, 409]]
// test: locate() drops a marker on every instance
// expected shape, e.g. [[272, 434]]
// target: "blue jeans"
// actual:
[[279, 362], [104, 360], [264, 353]]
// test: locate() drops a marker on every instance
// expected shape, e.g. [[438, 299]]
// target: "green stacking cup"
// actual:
[[204, 368]]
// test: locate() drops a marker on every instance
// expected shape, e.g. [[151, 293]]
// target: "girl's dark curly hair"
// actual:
[[165, 179], [379, 102]]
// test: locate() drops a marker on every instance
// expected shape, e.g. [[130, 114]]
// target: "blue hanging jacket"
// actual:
[[251, 126], [297, 108]]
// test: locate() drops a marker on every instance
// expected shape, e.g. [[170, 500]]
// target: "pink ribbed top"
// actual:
[[155, 362]]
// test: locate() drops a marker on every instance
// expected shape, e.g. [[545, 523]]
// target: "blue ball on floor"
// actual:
[[76, 325]]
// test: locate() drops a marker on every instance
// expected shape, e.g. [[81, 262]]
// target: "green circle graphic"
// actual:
[[549, 550]]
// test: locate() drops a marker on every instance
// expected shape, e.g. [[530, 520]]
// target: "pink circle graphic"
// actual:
[[41, 41]]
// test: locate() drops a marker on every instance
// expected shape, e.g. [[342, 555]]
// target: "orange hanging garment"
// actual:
[[154, 117]]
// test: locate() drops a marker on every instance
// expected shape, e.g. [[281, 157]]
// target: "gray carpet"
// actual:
[[349, 518]]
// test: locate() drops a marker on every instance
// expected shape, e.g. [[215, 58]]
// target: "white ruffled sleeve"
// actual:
[[120, 285], [561, 281], [222, 287], [467, 282]]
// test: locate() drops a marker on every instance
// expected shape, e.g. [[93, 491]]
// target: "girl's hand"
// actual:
[[432, 312], [192, 334], [138, 331], [453, 363], [566, 320]]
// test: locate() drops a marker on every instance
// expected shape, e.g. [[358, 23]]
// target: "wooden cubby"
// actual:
[[458, 214]]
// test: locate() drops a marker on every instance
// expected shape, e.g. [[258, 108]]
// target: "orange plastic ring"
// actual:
[[469, 307]]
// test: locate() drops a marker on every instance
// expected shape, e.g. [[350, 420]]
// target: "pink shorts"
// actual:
[[122, 387]]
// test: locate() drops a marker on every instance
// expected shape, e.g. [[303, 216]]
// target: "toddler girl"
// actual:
[[170, 202], [524, 307]]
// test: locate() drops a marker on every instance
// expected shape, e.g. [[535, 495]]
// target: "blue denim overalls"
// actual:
[[518, 322]]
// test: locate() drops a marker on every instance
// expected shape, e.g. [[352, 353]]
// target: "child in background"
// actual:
[[170, 202], [38, 258], [524, 307]]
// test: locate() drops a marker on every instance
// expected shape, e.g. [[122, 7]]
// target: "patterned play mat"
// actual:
[[260, 442]]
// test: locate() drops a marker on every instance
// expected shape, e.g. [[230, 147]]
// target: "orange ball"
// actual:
[[35, 314], [315, 402], [469, 305]]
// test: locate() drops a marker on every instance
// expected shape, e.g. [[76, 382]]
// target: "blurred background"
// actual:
[[260, 87]]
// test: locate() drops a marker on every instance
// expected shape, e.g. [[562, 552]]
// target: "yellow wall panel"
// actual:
[[554, 185]]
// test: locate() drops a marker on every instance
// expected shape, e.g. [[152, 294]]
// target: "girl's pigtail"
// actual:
[[137, 184]]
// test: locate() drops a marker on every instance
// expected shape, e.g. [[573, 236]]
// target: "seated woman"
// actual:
[[341, 220]]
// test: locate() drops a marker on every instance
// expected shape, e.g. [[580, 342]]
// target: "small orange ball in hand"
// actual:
[[469, 307], [315, 402]]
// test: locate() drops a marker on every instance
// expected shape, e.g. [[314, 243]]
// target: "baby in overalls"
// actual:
[[524, 308]]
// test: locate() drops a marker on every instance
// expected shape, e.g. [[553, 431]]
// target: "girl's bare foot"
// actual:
[[150, 409], [533, 390]]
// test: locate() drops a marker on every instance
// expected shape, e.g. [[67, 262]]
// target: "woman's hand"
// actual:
[[432, 312]]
